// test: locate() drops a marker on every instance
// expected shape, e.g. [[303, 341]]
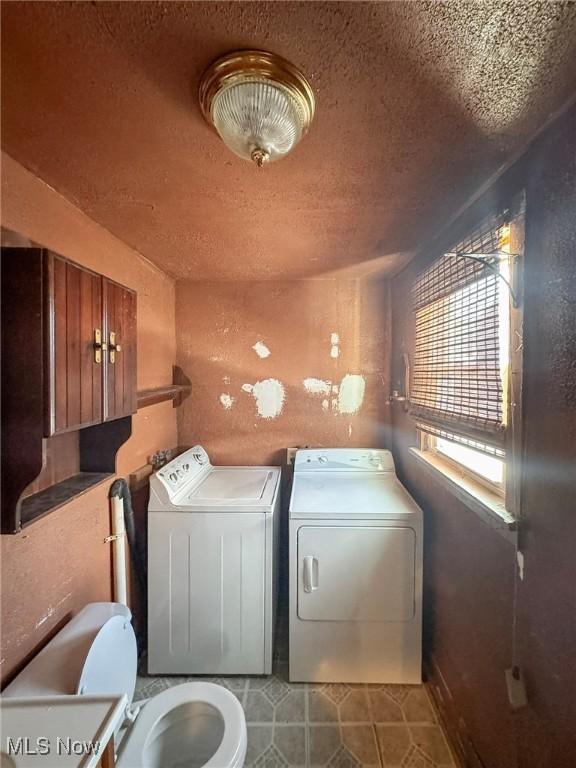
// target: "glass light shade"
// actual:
[[259, 103], [258, 120]]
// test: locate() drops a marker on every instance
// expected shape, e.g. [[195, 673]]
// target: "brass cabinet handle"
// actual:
[[113, 347], [98, 345]]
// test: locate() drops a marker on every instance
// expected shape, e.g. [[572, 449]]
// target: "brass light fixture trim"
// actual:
[[260, 68]]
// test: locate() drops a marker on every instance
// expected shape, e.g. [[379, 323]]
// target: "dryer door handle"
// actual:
[[310, 574]]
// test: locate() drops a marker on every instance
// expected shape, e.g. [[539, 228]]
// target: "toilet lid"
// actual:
[[111, 662]]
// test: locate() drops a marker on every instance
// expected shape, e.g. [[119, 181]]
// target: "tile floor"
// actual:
[[336, 725]]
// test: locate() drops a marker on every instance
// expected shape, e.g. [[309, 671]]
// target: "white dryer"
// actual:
[[212, 567], [355, 570]]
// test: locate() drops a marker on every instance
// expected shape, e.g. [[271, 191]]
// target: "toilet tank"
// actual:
[[97, 644]]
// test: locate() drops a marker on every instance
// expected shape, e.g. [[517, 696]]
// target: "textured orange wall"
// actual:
[[219, 324], [60, 562]]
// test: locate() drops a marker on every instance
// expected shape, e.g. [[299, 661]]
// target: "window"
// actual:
[[460, 377], [484, 463]]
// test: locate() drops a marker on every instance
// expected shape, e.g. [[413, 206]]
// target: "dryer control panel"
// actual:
[[344, 459]]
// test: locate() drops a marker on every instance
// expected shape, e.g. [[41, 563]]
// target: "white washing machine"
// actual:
[[212, 567], [355, 570]]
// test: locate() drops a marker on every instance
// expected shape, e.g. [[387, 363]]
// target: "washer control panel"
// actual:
[[185, 468], [344, 459]]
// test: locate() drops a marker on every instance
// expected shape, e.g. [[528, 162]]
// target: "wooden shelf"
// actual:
[[55, 496], [175, 392]]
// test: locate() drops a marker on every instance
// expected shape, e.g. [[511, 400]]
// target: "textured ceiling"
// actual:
[[417, 103]]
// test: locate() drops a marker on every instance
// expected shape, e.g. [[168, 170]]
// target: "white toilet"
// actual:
[[186, 726]]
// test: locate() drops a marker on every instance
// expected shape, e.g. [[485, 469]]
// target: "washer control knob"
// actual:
[[322, 459], [185, 467], [173, 476]]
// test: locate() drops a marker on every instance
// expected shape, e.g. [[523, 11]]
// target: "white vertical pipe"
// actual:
[[119, 550]]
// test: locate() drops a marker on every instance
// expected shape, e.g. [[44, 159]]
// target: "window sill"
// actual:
[[478, 499]]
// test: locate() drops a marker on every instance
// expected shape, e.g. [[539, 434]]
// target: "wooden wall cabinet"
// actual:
[[90, 347], [68, 380]]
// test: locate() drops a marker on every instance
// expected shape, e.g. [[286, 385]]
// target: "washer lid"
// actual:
[[332, 494], [232, 483], [232, 489]]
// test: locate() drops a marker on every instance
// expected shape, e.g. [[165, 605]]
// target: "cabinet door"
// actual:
[[74, 375], [120, 359]]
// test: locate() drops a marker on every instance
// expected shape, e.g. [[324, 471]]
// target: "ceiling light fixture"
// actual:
[[259, 103]]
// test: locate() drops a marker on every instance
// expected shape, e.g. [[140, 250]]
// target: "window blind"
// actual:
[[456, 378]]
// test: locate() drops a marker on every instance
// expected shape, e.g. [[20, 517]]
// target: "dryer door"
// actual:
[[356, 574]]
